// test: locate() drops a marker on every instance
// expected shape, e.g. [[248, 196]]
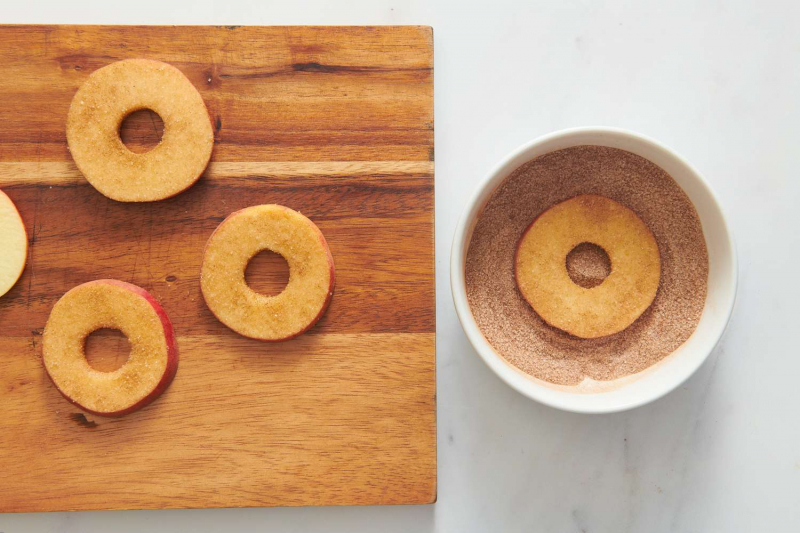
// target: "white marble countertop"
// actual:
[[719, 83]]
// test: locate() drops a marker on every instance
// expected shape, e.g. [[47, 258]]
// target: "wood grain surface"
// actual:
[[334, 122]]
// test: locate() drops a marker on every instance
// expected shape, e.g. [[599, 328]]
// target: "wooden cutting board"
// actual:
[[334, 122]]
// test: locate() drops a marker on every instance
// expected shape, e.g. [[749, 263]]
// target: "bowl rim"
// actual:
[[577, 402]]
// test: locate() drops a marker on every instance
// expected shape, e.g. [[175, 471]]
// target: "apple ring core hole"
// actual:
[[106, 349], [588, 265], [267, 273], [141, 131]]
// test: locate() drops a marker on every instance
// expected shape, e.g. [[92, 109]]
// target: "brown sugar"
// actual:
[[514, 329]]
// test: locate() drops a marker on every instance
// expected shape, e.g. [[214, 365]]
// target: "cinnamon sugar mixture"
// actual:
[[516, 331]]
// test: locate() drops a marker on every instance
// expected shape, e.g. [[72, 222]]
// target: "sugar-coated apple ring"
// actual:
[[241, 236], [112, 93], [152, 362], [541, 271]]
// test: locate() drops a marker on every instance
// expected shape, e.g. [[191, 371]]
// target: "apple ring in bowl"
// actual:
[[540, 266]]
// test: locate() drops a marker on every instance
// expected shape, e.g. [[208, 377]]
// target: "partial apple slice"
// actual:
[[13, 244], [113, 304]]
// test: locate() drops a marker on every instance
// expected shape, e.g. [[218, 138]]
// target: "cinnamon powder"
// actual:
[[512, 327]]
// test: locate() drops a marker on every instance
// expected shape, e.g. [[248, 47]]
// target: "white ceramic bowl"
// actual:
[[652, 383]]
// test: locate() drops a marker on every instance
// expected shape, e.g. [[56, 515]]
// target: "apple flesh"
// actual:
[[114, 304], [13, 244]]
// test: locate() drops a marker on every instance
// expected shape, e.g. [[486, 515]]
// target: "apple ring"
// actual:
[[613, 305], [112, 93], [107, 303], [241, 236]]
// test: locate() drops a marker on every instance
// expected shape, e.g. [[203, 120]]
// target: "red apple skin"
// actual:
[[324, 305], [172, 352], [27, 244]]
